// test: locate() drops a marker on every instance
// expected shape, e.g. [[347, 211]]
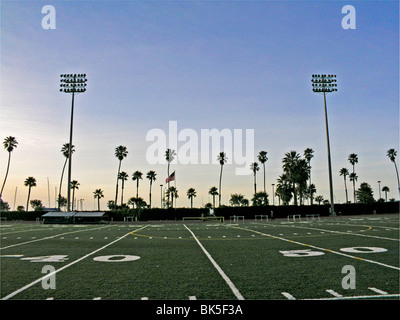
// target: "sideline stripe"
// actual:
[[221, 272], [51, 237], [64, 267], [319, 248]]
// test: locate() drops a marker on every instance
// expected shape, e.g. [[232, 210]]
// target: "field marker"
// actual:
[[12, 294], [50, 237], [221, 272], [288, 295], [144, 298], [378, 291], [192, 298], [334, 293], [319, 248]]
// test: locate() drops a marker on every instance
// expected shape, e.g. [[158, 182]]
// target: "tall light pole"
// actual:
[[325, 84], [72, 83]]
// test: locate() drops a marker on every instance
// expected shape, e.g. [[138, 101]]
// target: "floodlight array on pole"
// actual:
[[72, 83], [326, 83]]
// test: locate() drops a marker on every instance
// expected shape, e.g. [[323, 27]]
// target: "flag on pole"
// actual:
[[171, 177]]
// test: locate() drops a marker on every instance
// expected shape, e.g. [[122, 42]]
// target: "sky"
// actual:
[[196, 65]]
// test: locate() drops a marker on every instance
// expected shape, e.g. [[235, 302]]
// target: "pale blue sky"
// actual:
[[205, 64]]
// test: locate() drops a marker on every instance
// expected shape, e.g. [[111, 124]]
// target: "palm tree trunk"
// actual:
[[27, 201], [151, 182], [345, 188], [73, 198], [219, 195], [5, 178], [354, 186], [265, 191], [116, 190], [122, 193], [61, 180], [255, 186], [168, 185], [397, 175], [98, 203], [191, 202], [137, 188]]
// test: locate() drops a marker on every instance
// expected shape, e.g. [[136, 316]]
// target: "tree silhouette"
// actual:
[[65, 152], [29, 182], [392, 154], [191, 193], [9, 143], [262, 157], [344, 172], [222, 160], [98, 193], [137, 175], [353, 159], [151, 175], [120, 152]]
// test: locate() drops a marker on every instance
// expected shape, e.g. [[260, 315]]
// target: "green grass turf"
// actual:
[[173, 266]]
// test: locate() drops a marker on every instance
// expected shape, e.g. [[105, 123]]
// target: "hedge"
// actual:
[[226, 212]]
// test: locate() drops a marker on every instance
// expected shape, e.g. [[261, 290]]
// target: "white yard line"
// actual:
[[319, 248], [221, 272], [50, 237], [66, 266], [346, 233]]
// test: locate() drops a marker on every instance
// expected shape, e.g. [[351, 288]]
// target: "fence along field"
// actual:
[[354, 257]]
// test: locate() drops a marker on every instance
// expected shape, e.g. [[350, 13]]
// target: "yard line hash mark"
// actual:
[[221, 272]]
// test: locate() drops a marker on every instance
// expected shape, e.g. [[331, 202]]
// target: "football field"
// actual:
[[352, 257]]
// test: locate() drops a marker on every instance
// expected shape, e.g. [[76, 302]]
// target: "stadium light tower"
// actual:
[[72, 83], [326, 83]]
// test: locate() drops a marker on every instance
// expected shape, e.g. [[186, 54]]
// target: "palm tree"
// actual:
[[260, 199], [353, 178], [174, 194], [391, 153], [123, 176], [29, 182], [319, 199], [151, 175], [191, 193], [169, 156], [254, 167], [222, 160], [344, 172], [238, 200], [353, 159], [290, 161], [98, 194], [284, 189], [120, 152], [213, 192], [9, 144], [137, 175], [308, 155], [385, 189], [74, 185], [65, 152], [262, 157]]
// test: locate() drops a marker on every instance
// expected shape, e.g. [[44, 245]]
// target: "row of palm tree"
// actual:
[[292, 183], [353, 160]]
